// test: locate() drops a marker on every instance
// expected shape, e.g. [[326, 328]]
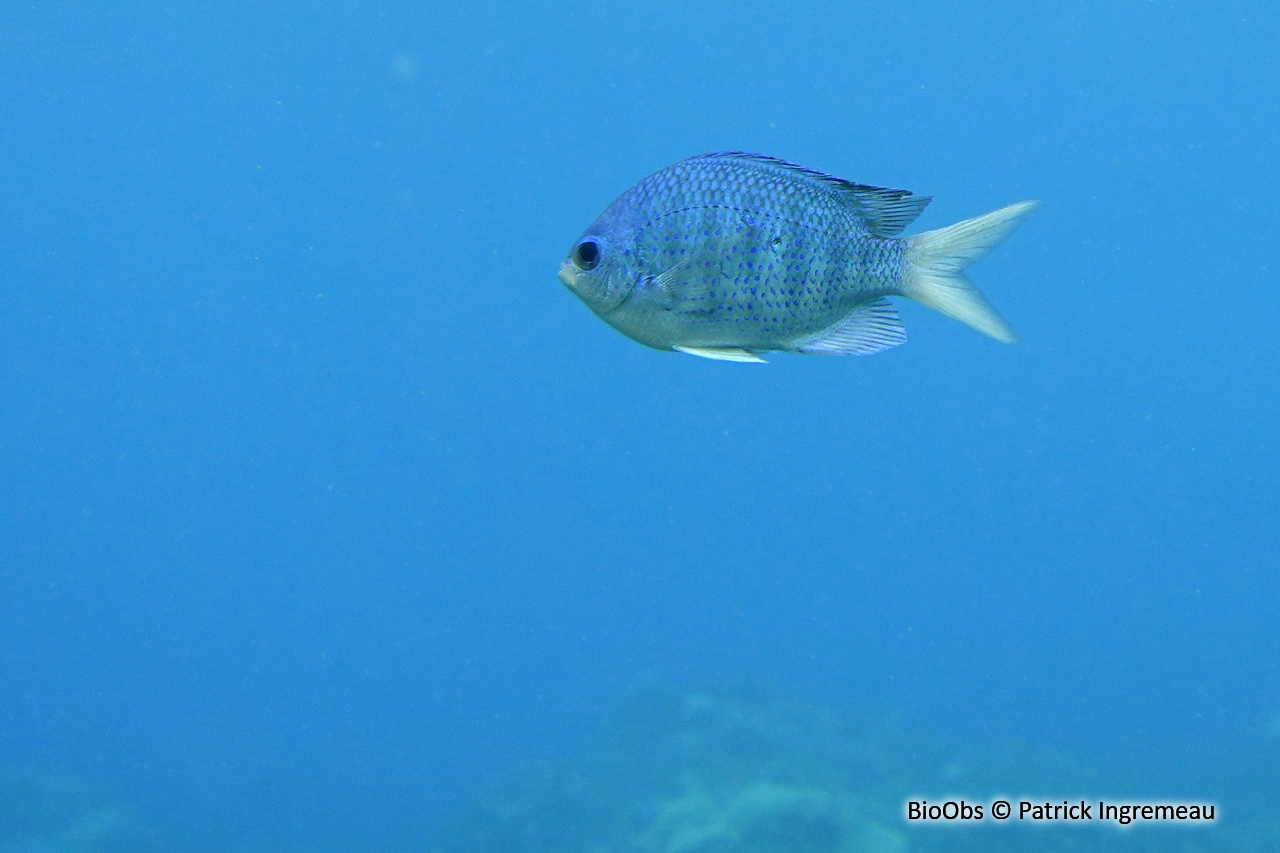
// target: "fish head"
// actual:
[[599, 267]]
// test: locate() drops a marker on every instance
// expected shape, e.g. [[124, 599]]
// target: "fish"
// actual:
[[731, 255]]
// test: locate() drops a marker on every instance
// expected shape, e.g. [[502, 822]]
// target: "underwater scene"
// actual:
[[639, 428]]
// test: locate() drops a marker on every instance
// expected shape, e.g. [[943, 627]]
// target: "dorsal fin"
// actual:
[[886, 211]]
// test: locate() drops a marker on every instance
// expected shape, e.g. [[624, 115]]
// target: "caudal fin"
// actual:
[[936, 261]]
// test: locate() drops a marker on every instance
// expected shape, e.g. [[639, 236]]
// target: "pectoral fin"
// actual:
[[687, 284], [722, 353]]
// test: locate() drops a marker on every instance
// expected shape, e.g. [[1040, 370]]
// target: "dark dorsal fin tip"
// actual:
[[886, 211]]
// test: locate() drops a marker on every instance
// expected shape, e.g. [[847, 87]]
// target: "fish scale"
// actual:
[[729, 255], [799, 271]]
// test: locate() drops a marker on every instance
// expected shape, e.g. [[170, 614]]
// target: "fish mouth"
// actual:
[[568, 277]]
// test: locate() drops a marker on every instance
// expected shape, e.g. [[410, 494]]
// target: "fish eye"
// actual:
[[586, 255]]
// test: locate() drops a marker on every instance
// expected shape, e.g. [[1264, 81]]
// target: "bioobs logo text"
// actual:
[[1124, 813], [949, 810]]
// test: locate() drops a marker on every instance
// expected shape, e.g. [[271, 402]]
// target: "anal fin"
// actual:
[[722, 353], [864, 330]]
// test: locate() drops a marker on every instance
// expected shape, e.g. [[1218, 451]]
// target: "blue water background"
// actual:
[[324, 504]]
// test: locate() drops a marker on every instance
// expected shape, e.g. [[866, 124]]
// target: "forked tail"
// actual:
[[936, 261]]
